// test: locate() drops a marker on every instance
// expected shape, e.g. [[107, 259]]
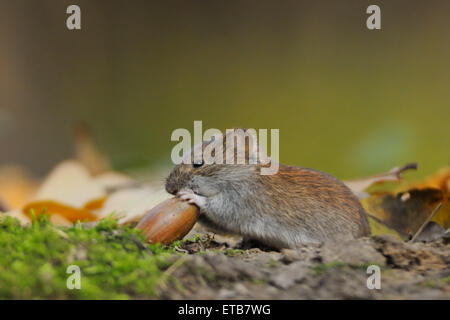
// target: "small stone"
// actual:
[[354, 252], [226, 294], [432, 232], [289, 275], [304, 253], [240, 288], [290, 255]]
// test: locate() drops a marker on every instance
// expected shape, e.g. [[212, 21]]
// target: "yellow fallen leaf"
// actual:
[[54, 208], [95, 204], [440, 180], [378, 228]]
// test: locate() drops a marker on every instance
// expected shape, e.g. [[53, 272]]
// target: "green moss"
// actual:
[[272, 263], [115, 262], [364, 266], [436, 283], [233, 252], [323, 268], [195, 238], [258, 281]]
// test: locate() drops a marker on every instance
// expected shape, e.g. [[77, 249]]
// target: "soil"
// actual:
[[218, 267]]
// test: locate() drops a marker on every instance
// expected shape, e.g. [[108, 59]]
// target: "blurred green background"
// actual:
[[347, 100]]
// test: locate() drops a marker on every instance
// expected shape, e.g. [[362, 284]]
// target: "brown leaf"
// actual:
[[358, 186], [87, 152], [405, 212]]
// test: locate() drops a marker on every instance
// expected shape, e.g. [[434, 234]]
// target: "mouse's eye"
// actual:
[[197, 164]]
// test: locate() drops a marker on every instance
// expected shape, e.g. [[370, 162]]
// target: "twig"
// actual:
[[169, 271], [407, 166], [426, 222], [180, 249], [61, 233]]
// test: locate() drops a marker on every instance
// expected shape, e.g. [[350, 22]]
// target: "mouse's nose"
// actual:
[[171, 188]]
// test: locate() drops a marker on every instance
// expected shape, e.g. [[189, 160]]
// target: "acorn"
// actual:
[[169, 221]]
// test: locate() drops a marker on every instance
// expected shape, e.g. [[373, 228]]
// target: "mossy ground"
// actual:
[[115, 262]]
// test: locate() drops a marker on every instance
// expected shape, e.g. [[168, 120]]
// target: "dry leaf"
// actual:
[[55, 208], [440, 180], [87, 152], [70, 184], [409, 207], [358, 186], [132, 204], [71, 194], [379, 228]]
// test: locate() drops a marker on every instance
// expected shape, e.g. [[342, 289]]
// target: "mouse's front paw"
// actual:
[[192, 198]]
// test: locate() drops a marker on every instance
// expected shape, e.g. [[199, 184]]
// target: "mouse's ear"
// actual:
[[241, 146], [213, 147]]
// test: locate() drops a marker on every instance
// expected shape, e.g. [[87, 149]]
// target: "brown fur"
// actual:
[[294, 206], [303, 189]]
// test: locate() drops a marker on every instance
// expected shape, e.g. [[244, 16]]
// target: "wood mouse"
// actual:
[[294, 206]]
